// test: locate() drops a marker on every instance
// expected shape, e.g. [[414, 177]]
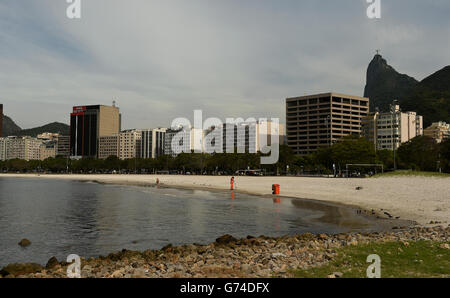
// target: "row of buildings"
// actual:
[[40, 148], [312, 122], [95, 131], [320, 120]]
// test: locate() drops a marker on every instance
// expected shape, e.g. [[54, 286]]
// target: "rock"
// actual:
[[359, 188], [353, 242], [338, 274], [323, 236], [245, 267], [387, 214], [139, 273], [278, 254], [168, 247], [445, 246], [117, 274], [226, 239], [52, 262], [24, 242], [20, 269]]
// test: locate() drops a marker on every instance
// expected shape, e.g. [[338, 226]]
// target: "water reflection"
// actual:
[[89, 219]]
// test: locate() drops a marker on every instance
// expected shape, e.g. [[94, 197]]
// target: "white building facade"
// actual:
[[152, 142]]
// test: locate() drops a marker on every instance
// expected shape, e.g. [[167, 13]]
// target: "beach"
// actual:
[[424, 200]]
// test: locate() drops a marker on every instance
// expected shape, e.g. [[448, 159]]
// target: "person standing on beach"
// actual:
[[232, 183]]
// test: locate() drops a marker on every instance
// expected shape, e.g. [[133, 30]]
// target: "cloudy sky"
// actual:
[[161, 59]]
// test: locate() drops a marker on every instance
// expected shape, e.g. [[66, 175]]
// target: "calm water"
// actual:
[[89, 219]]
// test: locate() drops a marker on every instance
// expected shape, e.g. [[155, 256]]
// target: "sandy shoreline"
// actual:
[[420, 199]]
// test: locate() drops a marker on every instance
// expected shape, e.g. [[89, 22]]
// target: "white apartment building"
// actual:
[[439, 131], [186, 140], [48, 150], [250, 137], [392, 128], [3, 143], [130, 144], [26, 148]]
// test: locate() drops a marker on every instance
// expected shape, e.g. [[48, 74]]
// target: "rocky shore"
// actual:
[[226, 257]]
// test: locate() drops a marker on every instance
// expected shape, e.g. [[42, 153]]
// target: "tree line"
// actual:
[[421, 153]]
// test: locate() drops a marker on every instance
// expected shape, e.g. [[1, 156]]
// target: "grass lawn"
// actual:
[[421, 259], [411, 173]]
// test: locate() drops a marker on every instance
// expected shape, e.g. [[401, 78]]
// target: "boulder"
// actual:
[[226, 239], [24, 242], [52, 262], [20, 269]]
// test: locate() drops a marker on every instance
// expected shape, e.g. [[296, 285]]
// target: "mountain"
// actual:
[[54, 127], [9, 127], [12, 129], [384, 84], [431, 98]]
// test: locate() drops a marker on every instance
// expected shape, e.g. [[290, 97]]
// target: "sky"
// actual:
[[162, 59]]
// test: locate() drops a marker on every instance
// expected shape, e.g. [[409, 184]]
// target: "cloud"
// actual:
[[163, 59]]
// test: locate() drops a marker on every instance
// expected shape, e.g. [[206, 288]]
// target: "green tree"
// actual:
[[420, 153]]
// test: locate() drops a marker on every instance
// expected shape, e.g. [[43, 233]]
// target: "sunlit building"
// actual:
[[130, 144], [317, 121], [439, 131], [108, 146], [88, 124], [389, 130]]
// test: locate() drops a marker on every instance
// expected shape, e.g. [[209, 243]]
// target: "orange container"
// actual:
[[276, 189]]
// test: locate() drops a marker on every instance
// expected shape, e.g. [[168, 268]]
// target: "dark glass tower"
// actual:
[[1, 120], [84, 131]]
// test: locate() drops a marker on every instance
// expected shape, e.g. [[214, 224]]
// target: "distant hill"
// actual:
[[12, 129], [54, 127], [384, 84], [429, 98], [9, 127]]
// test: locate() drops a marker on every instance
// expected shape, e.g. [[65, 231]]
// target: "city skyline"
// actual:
[[159, 60]]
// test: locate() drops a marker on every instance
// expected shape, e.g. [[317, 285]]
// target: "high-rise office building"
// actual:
[[183, 140], [88, 124], [63, 146], [130, 144], [1, 120], [3, 145], [249, 137], [316, 121], [152, 142], [108, 146]]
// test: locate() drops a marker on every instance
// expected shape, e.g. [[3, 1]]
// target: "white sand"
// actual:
[[421, 199]]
